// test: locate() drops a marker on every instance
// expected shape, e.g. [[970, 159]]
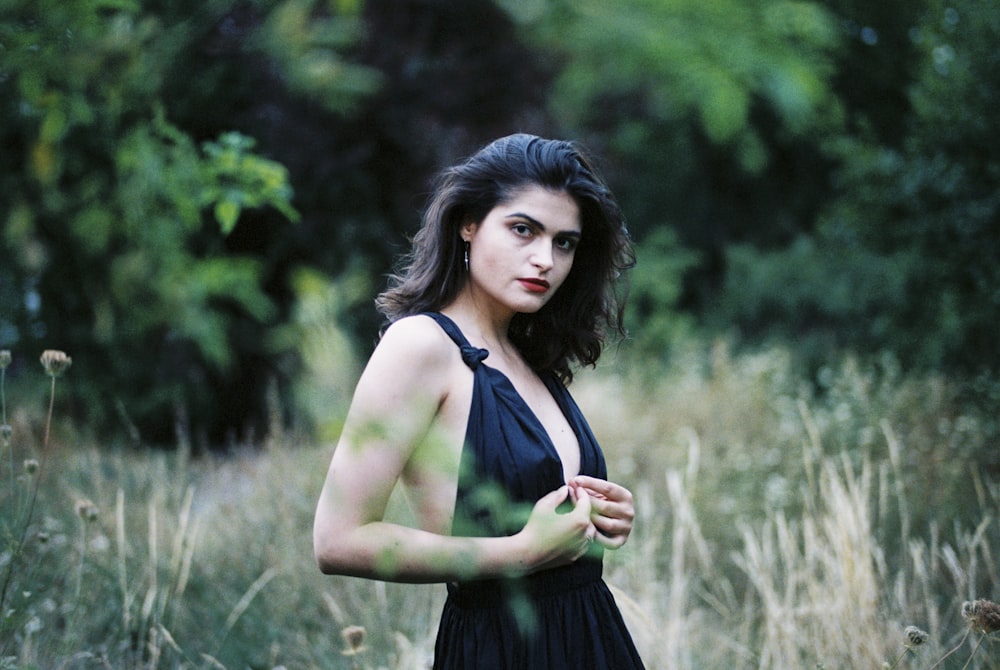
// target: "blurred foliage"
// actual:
[[814, 154], [324, 386], [116, 217], [308, 46], [713, 60], [152, 150], [826, 170], [706, 114], [656, 328], [903, 257]]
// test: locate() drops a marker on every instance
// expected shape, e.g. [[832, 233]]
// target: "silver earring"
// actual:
[[466, 256]]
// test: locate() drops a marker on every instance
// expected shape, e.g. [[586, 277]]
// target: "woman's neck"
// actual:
[[480, 326]]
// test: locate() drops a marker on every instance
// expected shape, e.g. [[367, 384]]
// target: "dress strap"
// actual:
[[472, 356]]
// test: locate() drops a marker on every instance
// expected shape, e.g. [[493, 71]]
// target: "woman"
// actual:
[[509, 284]]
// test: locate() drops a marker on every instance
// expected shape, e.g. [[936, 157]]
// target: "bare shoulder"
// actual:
[[415, 353], [419, 339]]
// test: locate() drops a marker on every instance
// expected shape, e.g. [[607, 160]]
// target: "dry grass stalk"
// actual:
[[55, 363]]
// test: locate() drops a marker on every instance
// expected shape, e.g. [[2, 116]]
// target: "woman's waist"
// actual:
[[493, 592]]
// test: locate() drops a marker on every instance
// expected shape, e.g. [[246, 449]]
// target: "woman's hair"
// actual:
[[573, 324]]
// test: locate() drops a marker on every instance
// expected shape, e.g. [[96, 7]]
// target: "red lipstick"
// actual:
[[535, 285]]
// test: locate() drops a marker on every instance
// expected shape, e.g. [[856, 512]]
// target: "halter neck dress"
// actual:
[[565, 617]]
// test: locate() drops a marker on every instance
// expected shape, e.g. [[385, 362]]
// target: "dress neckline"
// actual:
[[473, 356]]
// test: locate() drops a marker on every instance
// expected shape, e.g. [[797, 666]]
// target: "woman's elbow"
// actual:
[[325, 552], [328, 567], [323, 562], [335, 554]]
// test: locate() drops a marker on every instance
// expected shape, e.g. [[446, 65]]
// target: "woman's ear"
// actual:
[[468, 229]]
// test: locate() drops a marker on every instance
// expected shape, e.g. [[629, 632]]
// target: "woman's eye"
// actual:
[[566, 244], [522, 229]]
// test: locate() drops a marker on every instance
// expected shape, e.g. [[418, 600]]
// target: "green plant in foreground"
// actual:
[[5, 430], [87, 512], [55, 363]]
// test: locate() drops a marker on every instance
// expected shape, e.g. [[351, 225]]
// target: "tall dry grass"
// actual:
[[787, 526], [780, 526]]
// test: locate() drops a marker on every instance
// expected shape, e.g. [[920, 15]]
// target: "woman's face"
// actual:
[[522, 251]]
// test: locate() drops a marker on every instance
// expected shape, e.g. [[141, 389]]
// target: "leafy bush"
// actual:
[[904, 258], [117, 221]]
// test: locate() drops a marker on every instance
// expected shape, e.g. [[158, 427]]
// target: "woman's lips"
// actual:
[[535, 285]]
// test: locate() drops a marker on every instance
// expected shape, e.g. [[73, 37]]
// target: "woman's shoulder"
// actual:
[[419, 339]]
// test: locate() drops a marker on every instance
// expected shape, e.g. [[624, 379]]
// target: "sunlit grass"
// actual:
[[779, 526]]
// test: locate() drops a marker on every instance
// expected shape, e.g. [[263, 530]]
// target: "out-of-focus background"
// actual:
[[200, 199]]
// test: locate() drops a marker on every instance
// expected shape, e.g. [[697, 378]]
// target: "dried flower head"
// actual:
[[86, 510], [31, 466], [354, 640], [914, 636], [55, 362], [982, 615], [5, 432], [5, 359]]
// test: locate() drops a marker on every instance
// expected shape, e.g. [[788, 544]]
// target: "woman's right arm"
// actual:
[[394, 407]]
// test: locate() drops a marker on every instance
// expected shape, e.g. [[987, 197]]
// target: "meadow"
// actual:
[[782, 523]]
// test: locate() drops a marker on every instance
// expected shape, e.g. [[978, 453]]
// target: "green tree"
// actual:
[[170, 277], [116, 219], [912, 232], [708, 115]]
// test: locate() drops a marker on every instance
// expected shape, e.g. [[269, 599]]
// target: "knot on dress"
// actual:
[[473, 356]]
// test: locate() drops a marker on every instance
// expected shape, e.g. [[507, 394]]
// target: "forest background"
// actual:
[[199, 200]]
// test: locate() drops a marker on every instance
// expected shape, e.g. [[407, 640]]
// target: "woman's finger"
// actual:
[[583, 504], [551, 500], [602, 488]]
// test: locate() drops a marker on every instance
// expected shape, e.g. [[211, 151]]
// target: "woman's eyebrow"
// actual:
[[538, 224]]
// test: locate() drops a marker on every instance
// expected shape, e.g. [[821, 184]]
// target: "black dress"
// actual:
[[560, 618]]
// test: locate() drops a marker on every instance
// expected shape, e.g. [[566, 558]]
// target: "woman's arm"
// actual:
[[394, 407]]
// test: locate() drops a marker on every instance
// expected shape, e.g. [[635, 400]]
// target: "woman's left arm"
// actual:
[[612, 511]]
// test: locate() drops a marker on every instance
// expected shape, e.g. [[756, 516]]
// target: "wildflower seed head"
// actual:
[[30, 466], [86, 510], [982, 615], [55, 362], [354, 640], [5, 432], [5, 359], [914, 636]]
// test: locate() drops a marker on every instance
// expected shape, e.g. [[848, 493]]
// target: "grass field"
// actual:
[[781, 525]]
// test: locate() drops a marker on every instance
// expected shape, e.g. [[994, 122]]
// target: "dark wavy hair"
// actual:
[[573, 325]]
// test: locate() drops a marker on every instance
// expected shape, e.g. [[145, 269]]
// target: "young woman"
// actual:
[[510, 283]]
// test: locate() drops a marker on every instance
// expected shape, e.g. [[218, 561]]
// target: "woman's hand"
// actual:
[[611, 509], [553, 538]]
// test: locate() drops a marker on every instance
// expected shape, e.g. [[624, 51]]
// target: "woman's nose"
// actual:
[[541, 255]]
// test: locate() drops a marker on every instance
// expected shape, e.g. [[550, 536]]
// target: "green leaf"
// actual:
[[227, 212]]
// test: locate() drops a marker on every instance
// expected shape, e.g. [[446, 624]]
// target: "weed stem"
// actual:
[[898, 659], [956, 648], [972, 655], [3, 422], [19, 547]]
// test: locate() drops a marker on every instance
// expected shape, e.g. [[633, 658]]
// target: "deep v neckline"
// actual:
[[549, 443], [476, 357], [505, 441]]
